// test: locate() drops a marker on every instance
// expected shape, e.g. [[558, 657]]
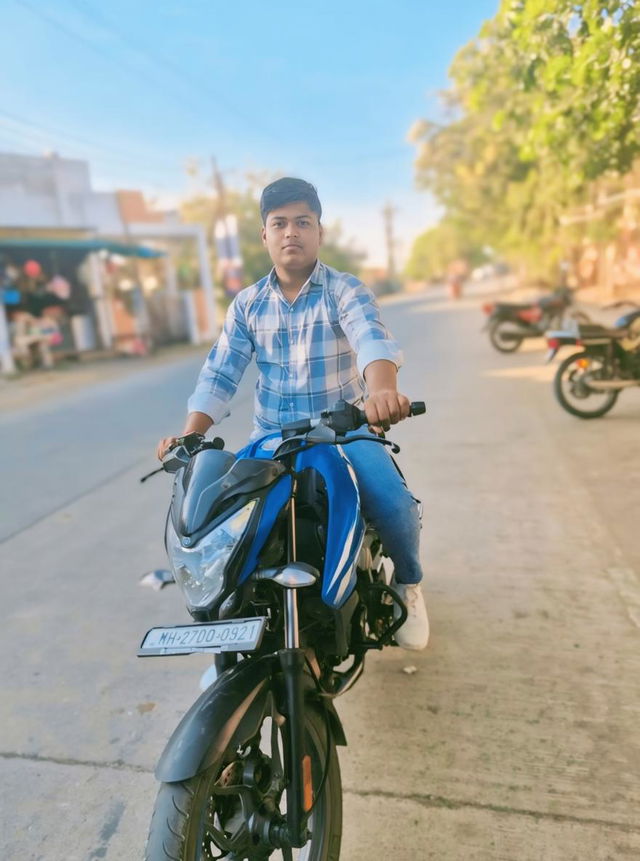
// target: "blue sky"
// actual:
[[323, 90]]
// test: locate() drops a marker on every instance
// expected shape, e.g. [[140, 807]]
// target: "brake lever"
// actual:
[[395, 448], [322, 433]]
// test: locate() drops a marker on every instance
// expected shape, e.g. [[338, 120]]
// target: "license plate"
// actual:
[[235, 635]]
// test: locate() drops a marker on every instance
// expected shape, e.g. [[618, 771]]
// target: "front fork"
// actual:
[[292, 661]]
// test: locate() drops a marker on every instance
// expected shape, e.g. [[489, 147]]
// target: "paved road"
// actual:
[[517, 736]]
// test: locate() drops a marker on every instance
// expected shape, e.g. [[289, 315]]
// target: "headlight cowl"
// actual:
[[199, 570]]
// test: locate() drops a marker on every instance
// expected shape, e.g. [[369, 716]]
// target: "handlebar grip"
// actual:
[[417, 408]]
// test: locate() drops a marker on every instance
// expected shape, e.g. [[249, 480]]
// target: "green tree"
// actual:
[[543, 112], [436, 248], [205, 209], [245, 206], [338, 253]]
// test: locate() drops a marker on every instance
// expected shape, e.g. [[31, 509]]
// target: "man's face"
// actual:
[[292, 235]]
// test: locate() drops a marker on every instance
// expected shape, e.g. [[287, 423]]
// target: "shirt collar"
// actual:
[[317, 278], [318, 275]]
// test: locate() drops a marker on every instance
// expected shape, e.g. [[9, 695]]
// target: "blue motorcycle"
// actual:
[[289, 588]]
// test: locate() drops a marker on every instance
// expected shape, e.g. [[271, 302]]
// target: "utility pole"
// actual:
[[220, 215], [218, 186], [388, 213], [231, 272], [6, 355]]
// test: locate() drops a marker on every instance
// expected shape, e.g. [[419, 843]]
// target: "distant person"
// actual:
[[456, 275], [317, 337], [37, 298], [35, 321]]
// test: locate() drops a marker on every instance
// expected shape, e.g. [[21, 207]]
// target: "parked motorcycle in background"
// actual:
[[290, 589], [510, 323], [587, 383]]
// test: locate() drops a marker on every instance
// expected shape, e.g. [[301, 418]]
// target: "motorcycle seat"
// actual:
[[627, 319], [594, 330], [513, 306]]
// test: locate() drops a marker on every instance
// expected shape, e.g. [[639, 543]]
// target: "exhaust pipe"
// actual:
[[518, 335], [609, 385]]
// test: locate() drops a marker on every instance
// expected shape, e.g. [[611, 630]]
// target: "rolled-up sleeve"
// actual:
[[224, 366], [359, 318]]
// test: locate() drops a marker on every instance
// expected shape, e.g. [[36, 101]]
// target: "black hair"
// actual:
[[289, 190]]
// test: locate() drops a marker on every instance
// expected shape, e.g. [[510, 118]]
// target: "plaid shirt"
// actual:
[[310, 353]]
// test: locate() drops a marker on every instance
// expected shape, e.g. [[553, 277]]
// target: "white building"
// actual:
[[49, 200]]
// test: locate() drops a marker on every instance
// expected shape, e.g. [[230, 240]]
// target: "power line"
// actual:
[[34, 147], [7, 134], [381, 155], [54, 22], [77, 139], [164, 62], [160, 60], [36, 142]]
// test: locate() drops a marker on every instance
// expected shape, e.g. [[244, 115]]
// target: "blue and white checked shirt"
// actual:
[[310, 353]]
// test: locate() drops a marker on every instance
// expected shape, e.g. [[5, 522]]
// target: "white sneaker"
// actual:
[[414, 634]]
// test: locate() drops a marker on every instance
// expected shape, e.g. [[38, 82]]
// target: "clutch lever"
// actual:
[[149, 474], [191, 444]]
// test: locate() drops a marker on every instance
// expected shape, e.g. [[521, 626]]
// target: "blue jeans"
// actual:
[[388, 506]]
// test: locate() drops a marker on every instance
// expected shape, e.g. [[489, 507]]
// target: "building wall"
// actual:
[[49, 196], [49, 192]]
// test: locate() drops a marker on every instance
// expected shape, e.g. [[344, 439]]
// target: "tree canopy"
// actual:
[[203, 209], [543, 109], [436, 248]]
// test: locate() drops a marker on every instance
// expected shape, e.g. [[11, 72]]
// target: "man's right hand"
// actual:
[[164, 445]]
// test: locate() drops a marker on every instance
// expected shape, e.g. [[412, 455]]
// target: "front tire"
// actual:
[[497, 335], [571, 386], [179, 825]]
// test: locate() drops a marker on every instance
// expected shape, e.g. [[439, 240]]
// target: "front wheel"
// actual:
[[504, 336], [203, 819], [571, 386]]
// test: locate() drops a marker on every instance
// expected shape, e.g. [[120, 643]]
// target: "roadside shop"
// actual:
[[75, 296]]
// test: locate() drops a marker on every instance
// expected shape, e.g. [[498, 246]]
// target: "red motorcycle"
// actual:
[[510, 323]]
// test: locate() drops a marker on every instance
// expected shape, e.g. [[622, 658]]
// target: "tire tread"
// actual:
[[169, 830], [166, 841], [564, 403]]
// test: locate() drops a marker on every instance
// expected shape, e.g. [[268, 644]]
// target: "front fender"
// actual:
[[227, 713]]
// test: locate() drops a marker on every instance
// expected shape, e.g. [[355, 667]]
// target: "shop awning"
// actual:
[[125, 249]]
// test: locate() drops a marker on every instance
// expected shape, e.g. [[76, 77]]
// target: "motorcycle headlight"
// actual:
[[199, 570]]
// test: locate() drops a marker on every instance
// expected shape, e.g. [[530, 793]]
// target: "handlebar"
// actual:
[[182, 450], [341, 418], [337, 422], [344, 417], [196, 442]]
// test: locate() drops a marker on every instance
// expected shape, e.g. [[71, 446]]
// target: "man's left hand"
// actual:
[[385, 408]]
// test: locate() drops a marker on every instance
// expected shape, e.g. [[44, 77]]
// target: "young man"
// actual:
[[317, 337]]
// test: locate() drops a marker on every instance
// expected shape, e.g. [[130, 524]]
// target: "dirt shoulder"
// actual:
[[29, 389]]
